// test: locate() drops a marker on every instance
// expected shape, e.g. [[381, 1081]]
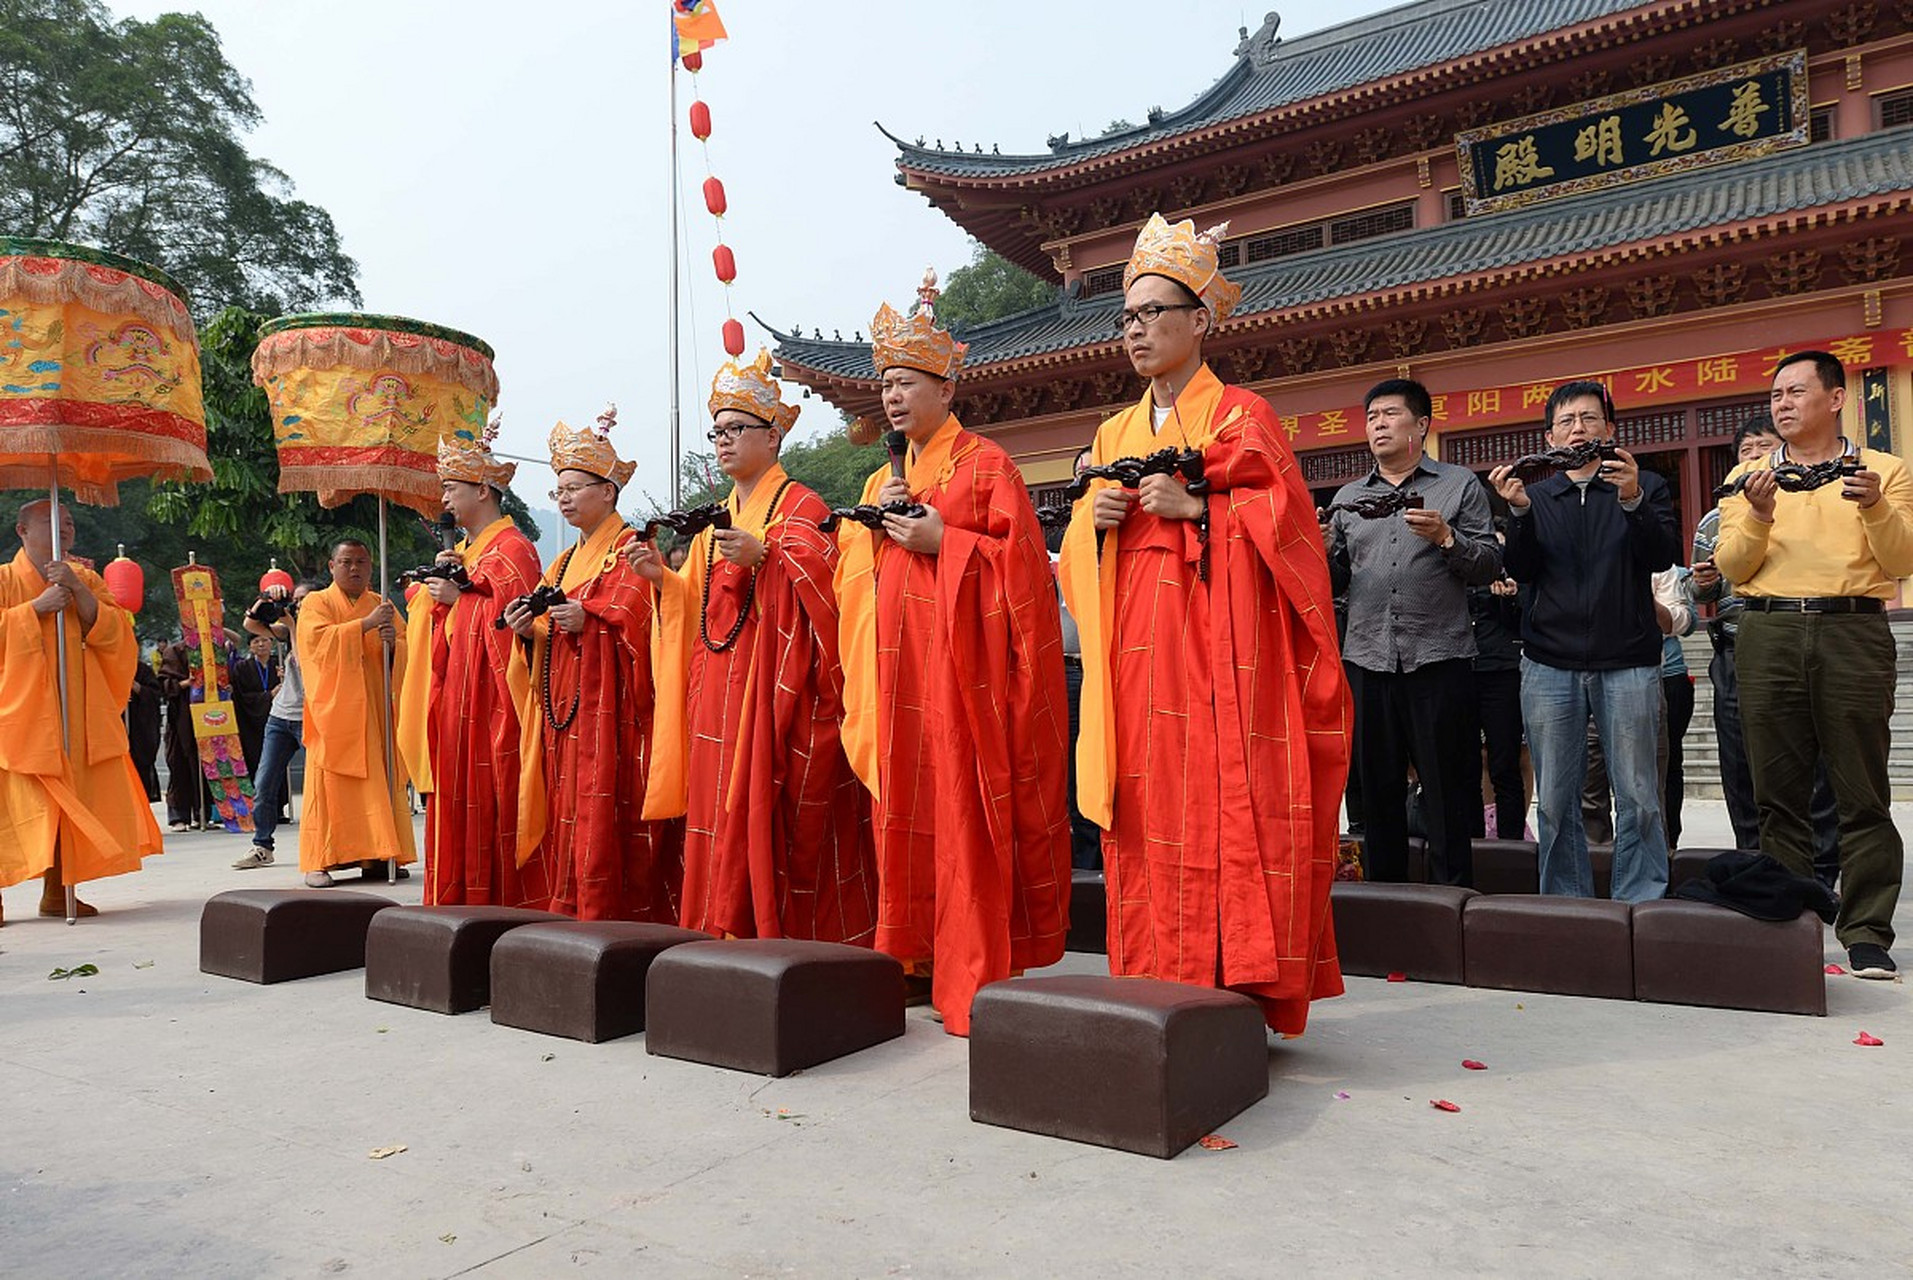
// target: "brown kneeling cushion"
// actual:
[[276, 935], [1411, 929], [770, 1005], [1131, 1063], [1695, 953], [1568, 946], [439, 958], [583, 979]]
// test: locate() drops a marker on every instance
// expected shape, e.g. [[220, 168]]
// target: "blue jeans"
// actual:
[[280, 744], [1626, 706]]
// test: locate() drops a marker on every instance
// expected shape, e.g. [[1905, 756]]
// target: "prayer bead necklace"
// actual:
[[577, 693], [750, 585]]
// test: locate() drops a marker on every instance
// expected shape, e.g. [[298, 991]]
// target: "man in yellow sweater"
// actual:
[[1817, 567]]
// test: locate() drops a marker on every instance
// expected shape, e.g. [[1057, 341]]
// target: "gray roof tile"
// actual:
[[1826, 173], [1386, 44]]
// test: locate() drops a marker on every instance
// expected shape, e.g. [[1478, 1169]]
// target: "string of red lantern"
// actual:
[[723, 261]]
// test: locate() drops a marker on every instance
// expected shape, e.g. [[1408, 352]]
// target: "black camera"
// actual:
[[449, 572], [266, 611], [539, 601]]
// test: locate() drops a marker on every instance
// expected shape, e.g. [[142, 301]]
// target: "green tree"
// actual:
[[833, 466], [127, 135], [988, 288]]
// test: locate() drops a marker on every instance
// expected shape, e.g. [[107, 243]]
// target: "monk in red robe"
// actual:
[[78, 812], [749, 695], [458, 723], [1215, 715], [956, 716], [582, 683]]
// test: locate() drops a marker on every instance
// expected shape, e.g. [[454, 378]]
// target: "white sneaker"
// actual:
[[259, 857], [318, 880]]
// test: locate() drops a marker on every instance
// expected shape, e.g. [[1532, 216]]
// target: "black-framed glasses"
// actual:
[[724, 435], [1148, 313]]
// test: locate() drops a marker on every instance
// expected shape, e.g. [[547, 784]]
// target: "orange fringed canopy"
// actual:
[[99, 372], [359, 403]]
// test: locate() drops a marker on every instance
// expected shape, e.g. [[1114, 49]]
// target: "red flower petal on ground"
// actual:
[[1215, 1142], [1469, 1064], [1835, 969], [1442, 1104], [1398, 977], [1867, 1040]]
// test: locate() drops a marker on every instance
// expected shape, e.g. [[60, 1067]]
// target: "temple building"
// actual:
[[1490, 198]]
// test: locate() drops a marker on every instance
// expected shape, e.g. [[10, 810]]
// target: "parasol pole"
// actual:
[[59, 645], [385, 683], [676, 440]]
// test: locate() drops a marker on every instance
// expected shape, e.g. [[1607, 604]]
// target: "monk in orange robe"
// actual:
[[955, 712], [1215, 715], [777, 833], [356, 812], [81, 813], [582, 682], [458, 724]]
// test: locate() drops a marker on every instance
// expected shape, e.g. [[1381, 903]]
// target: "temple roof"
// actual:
[[1267, 76], [1787, 183]]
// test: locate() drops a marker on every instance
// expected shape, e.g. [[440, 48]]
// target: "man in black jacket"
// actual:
[[1587, 543]]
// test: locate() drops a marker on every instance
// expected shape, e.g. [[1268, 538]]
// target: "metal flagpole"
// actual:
[[59, 646], [676, 444], [385, 683]]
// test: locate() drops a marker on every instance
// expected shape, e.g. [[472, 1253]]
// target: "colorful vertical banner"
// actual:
[[696, 25]]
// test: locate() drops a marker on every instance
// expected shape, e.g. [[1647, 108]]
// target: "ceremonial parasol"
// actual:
[[99, 383], [359, 403]]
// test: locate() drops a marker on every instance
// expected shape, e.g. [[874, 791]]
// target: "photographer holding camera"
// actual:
[[274, 615]]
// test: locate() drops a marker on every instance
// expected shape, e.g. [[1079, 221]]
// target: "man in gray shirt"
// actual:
[[273, 616], [1407, 574]]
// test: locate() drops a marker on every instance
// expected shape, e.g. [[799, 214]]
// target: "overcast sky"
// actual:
[[501, 166]]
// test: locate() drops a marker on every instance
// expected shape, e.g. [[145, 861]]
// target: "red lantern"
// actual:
[[700, 121], [127, 582], [693, 61], [714, 197], [726, 263], [733, 338], [274, 577]]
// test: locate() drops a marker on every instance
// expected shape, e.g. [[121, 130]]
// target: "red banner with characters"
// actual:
[[1674, 382]]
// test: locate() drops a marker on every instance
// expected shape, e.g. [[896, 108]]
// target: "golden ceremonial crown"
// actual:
[[589, 449], [463, 456], [914, 341], [750, 388], [1188, 257]]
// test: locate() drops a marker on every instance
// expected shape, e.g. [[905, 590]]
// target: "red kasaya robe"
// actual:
[[956, 718], [584, 707], [1215, 715], [88, 803], [777, 837], [472, 732]]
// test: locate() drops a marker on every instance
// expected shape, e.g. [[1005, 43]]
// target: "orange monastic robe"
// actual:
[[470, 728], [584, 707], [957, 721], [353, 811], [777, 838], [1215, 716], [88, 801]]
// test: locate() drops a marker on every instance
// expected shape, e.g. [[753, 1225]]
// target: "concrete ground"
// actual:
[[159, 1122]]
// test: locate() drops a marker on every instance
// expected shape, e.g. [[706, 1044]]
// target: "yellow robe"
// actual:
[[352, 813], [89, 800]]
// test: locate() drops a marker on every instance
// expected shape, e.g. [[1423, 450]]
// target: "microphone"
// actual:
[[896, 443], [446, 530]]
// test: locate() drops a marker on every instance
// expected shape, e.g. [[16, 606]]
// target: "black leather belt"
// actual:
[[1813, 604]]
